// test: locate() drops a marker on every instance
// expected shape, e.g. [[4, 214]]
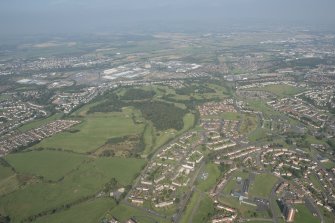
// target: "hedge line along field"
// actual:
[[87, 180]]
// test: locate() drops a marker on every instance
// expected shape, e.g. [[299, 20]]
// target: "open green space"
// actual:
[[205, 209], [88, 212], [5, 171], [188, 121], [86, 181], [192, 204], [231, 116], [93, 132], [52, 165], [316, 182], [282, 90], [258, 134], [123, 212], [303, 215], [9, 184], [8, 180], [148, 138], [249, 124], [328, 165], [213, 175], [262, 185]]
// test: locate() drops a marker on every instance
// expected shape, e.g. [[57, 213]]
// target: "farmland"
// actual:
[[95, 130], [84, 182], [45, 163]]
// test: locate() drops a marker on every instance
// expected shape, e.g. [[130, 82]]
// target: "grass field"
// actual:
[[8, 180], [249, 124], [303, 215], [282, 90], [87, 180], [94, 131], [192, 204], [231, 116], [5, 172], [258, 134], [88, 212], [45, 163], [316, 182], [213, 175], [188, 121], [123, 212], [149, 138], [205, 207], [262, 185], [328, 165]]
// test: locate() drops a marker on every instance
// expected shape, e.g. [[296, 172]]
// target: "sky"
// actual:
[[20, 17]]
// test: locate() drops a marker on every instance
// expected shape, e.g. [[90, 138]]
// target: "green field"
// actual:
[[213, 175], [94, 131], [8, 180], [5, 171], [45, 163], [88, 212], [262, 185], [123, 212], [231, 116], [87, 180], [282, 90], [249, 124], [205, 209], [258, 134], [328, 165], [316, 182], [148, 138], [192, 204], [303, 215]]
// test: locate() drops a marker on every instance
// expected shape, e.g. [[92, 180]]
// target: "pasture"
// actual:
[[45, 163], [93, 132], [86, 181]]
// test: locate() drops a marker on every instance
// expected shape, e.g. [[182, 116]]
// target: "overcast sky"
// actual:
[[61, 16]]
